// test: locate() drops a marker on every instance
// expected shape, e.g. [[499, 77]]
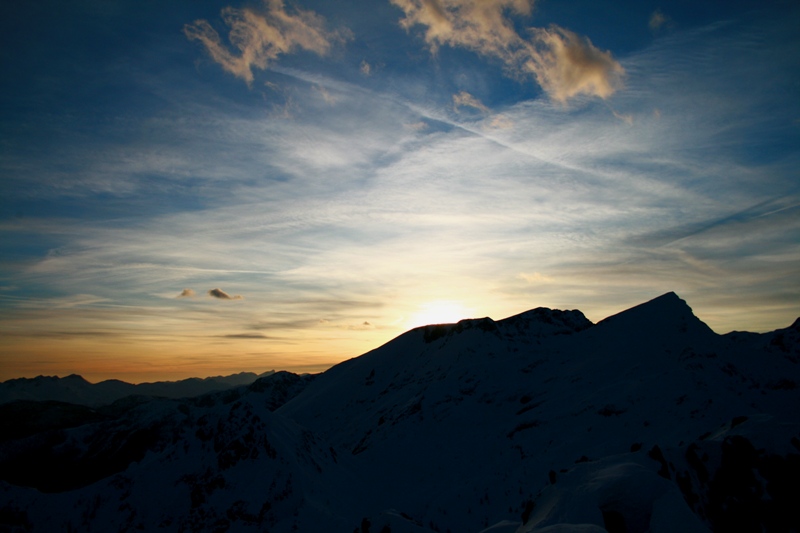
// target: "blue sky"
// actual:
[[210, 187]]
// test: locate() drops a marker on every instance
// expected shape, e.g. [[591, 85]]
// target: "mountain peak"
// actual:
[[75, 378], [544, 321], [667, 303], [667, 313], [668, 298]]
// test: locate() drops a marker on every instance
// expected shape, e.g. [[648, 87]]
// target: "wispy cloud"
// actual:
[[326, 95], [627, 118], [501, 122], [375, 210], [563, 63], [66, 302], [782, 211], [262, 35], [658, 20], [464, 99], [186, 293], [535, 277]]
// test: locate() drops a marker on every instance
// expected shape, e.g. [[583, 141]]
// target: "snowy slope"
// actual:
[[468, 421], [646, 421], [222, 461]]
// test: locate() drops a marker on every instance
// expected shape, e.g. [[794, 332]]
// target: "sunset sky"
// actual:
[[194, 188]]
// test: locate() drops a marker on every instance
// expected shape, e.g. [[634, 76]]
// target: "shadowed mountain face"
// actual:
[[646, 421], [56, 446]]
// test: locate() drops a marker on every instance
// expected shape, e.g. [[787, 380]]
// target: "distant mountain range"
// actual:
[[647, 421], [75, 389]]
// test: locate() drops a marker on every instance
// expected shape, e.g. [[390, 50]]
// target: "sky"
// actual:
[[197, 188]]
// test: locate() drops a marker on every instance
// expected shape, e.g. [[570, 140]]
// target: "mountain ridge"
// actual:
[[537, 422], [77, 390]]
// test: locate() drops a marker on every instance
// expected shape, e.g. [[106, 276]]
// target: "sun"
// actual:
[[438, 312]]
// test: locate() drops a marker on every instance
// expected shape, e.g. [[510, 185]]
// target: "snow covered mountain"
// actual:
[[646, 421], [75, 389]]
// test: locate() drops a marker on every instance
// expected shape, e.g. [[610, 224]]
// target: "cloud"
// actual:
[[66, 302], [780, 211], [186, 293], [222, 295], [326, 95], [563, 63], [567, 65], [364, 326], [464, 99], [500, 122], [627, 118], [349, 206], [417, 126], [261, 37], [535, 278], [657, 20], [478, 25], [366, 69]]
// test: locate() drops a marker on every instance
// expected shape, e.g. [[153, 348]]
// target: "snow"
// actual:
[[539, 422]]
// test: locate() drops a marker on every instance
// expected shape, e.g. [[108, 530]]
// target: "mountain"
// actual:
[[76, 390], [645, 421]]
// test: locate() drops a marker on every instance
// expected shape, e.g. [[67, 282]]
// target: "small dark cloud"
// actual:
[[186, 293], [364, 326], [244, 336], [222, 295]]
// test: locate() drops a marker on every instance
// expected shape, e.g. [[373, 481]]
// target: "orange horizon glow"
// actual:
[[137, 357]]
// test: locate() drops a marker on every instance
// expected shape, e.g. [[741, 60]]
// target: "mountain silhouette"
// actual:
[[645, 421], [75, 389]]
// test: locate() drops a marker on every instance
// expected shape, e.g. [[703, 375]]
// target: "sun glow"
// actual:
[[438, 312]]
